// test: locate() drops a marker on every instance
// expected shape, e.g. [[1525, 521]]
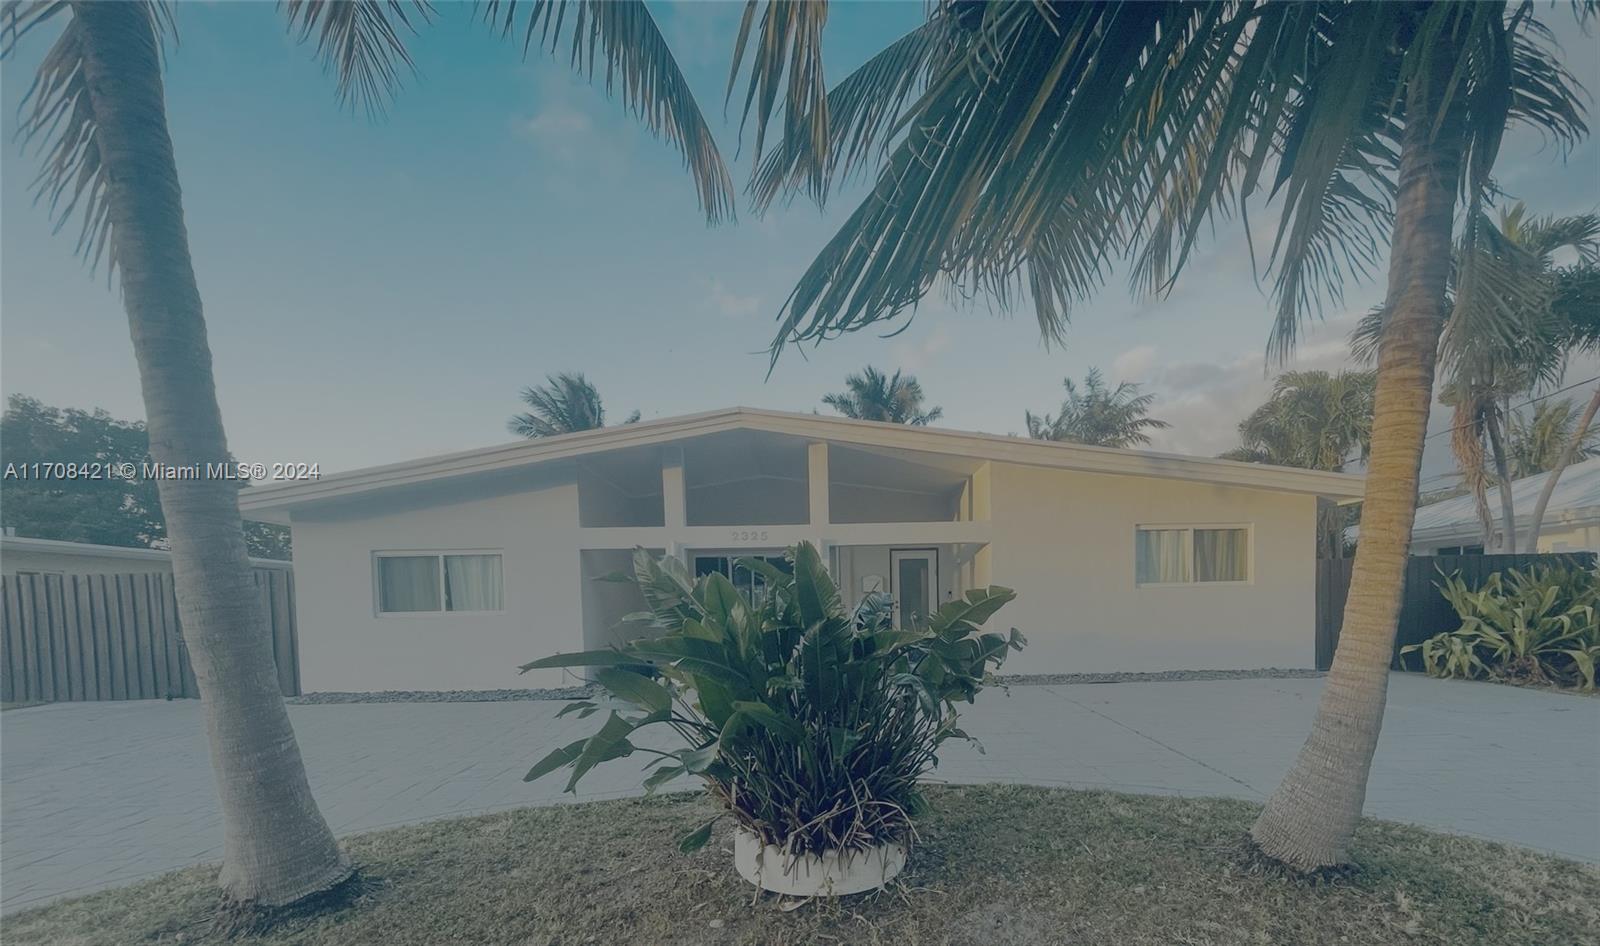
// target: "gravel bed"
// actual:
[[584, 692], [1056, 679], [442, 696]]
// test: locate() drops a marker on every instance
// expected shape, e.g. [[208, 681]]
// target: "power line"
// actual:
[[1533, 400]]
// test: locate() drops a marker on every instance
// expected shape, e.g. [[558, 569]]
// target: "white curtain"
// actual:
[[408, 583], [1221, 554], [472, 582], [1160, 556]]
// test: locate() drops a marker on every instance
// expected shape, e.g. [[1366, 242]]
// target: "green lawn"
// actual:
[[996, 866]]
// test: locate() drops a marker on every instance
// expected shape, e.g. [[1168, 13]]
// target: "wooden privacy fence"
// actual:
[[1424, 611], [116, 637]]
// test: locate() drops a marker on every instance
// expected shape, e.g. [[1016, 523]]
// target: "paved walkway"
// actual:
[[99, 794]]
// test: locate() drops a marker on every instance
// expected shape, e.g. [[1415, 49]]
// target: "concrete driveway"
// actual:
[[99, 794]]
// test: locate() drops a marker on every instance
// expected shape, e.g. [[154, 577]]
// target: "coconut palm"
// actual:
[[1098, 415], [564, 404], [1505, 343], [97, 109], [1316, 421], [893, 399], [1490, 366], [1026, 150], [1537, 440]]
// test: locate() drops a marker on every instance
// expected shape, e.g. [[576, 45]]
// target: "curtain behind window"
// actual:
[[1159, 556], [408, 583], [1221, 554], [472, 582]]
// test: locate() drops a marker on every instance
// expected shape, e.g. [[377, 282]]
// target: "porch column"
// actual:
[[817, 480], [979, 489], [817, 485], [674, 498]]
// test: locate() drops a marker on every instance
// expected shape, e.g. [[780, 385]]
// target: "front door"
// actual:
[[915, 573]]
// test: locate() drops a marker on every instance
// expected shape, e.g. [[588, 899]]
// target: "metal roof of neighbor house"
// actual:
[[1576, 499], [527, 453]]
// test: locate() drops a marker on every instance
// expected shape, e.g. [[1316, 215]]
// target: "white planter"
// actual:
[[829, 874]]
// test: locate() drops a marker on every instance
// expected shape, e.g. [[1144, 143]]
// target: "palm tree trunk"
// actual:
[[1502, 469], [1549, 488], [1309, 820], [1467, 445], [277, 848]]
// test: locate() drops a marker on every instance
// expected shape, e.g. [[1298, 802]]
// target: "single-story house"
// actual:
[[1571, 521], [21, 555], [449, 571]]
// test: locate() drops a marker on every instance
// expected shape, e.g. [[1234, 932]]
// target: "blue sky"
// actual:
[[377, 291]]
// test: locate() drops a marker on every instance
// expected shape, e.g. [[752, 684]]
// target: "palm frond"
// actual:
[[861, 111], [1050, 142], [362, 42], [57, 118], [566, 403], [788, 42], [623, 37], [873, 395]]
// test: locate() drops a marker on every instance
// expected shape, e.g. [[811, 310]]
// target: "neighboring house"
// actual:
[[56, 557], [1571, 521], [449, 571]]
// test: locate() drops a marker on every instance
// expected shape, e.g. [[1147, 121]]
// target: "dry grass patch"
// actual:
[[996, 865]]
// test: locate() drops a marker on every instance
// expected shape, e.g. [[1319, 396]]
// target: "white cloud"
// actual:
[[559, 129], [1204, 401], [1134, 364], [731, 304], [915, 356]]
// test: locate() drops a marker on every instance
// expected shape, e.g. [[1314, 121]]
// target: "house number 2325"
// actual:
[[749, 535]]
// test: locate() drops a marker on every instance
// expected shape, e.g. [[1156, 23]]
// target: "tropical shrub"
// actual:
[[1539, 626], [810, 723]]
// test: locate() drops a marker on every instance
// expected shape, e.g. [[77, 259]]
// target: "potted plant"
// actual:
[[810, 723]]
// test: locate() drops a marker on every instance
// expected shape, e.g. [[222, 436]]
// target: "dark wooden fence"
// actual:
[[1424, 611], [116, 637]]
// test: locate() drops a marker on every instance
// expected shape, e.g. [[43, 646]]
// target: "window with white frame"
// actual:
[[1180, 555], [410, 582]]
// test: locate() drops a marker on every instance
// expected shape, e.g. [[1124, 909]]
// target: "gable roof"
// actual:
[[1576, 499], [1044, 453]]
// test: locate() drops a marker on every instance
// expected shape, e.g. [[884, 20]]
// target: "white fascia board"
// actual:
[[1339, 486]]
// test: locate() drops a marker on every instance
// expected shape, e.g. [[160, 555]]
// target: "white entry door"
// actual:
[[915, 577]]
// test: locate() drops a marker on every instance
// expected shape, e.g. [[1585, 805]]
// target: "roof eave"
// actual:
[[258, 500]]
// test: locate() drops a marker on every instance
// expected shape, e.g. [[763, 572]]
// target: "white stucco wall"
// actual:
[[1065, 542], [346, 645], [1570, 539]]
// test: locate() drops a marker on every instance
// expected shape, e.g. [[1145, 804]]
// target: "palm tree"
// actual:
[[565, 404], [1537, 441], [1316, 421], [1025, 150], [1098, 415], [1504, 343], [97, 107], [1490, 366], [1577, 304], [873, 395]]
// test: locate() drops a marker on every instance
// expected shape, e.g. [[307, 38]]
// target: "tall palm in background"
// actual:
[[893, 399], [97, 107], [1316, 421], [1538, 439], [1098, 415], [1027, 150], [1504, 343], [564, 404]]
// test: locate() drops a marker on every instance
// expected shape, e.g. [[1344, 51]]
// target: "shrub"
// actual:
[[1540, 626], [810, 724]]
